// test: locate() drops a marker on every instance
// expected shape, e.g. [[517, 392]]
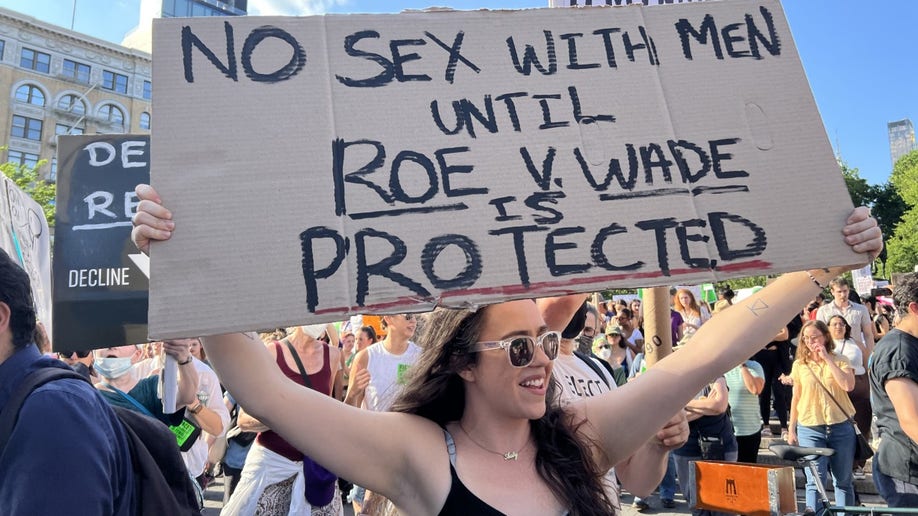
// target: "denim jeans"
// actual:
[[840, 437], [668, 484], [896, 492]]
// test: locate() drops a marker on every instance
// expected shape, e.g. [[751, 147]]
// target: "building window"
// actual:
[[145, 121], [2, 48], [23, 158], [114, 82], [147, 90], [30, 95], [35, 60], [111, 114], [24, 127], [53, 175], [73, 104], [66, 129], [78, 72]]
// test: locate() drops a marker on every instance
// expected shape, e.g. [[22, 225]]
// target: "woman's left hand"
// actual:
[[863, 234]]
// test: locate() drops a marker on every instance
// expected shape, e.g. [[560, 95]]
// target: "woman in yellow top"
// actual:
[[815, 420]]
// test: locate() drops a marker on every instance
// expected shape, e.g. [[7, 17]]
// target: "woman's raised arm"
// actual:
[[718, 346], [370, 448]]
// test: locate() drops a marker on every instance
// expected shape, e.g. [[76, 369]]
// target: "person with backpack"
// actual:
[[61, 434]]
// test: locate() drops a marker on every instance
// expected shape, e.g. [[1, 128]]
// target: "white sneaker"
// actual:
[[858, 474]]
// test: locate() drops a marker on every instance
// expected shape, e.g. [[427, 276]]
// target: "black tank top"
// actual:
[[460, 500]]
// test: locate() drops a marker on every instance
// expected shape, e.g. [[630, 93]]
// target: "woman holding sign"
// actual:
[[475, 431]]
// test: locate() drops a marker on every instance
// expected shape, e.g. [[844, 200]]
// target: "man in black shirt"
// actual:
[[894, 391]]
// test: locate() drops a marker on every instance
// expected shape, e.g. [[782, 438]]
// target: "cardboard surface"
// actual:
[[25, 237], [324, 166], [100, 278]]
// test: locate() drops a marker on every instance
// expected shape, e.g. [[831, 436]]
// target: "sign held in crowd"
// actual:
[[100, 279], [339, 164], [25, 237]]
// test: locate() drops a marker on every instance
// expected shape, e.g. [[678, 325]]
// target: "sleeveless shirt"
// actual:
[[461, 501], [387, 375], [321, 382]]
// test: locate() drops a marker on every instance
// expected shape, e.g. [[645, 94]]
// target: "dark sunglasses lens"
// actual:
[[550, 344], [521, 351]]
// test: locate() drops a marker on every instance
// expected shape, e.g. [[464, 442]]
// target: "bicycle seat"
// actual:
[[788, 452]]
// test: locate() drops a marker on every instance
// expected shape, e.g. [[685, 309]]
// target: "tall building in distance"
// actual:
[[141, 37], [56, 81], [901, 139]]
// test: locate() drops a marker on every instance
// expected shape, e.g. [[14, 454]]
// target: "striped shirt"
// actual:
[[744, 406]]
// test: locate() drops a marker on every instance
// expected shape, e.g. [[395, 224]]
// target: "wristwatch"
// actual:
[[197, 408], [188, 361]]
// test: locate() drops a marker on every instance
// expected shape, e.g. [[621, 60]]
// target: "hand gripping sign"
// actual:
[[324, 166]]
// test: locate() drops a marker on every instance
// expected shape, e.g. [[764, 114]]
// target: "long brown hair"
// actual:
[[692, 306], [434, 390], [803, 352]]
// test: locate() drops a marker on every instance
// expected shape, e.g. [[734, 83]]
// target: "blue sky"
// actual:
[[860, 57]]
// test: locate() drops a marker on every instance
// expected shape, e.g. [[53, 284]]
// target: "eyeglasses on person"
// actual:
[[521, 348]]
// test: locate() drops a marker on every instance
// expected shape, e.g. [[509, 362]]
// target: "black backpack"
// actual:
[[161, 481]]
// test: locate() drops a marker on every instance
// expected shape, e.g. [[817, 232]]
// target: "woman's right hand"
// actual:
[[152, 220]]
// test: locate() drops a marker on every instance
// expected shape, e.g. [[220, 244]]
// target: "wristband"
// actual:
[[190, 358], [813, 279]]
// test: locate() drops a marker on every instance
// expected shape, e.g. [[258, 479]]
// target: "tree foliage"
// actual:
[[860, 191], [888, 207], [29, 181], [902, 248], [885, 202], [905, 177], [902, 245]]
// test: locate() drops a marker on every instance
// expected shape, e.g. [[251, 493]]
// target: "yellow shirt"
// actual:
[[814, 407]]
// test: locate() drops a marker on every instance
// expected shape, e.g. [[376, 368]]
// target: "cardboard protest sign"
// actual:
[[100, 278], [25, 237], [863, 280], [324, 166]]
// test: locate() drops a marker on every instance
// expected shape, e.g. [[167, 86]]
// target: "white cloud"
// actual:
[[291, 7]]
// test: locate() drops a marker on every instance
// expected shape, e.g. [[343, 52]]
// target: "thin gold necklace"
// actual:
[[510, 455]]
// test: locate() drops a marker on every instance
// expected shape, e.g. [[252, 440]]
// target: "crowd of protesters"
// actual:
[[381, 380]]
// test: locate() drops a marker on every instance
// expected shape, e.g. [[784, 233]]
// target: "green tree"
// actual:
[[905, 177], [888, 207], [858, 188], [29, 181], [902, 245], [902, 248]]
